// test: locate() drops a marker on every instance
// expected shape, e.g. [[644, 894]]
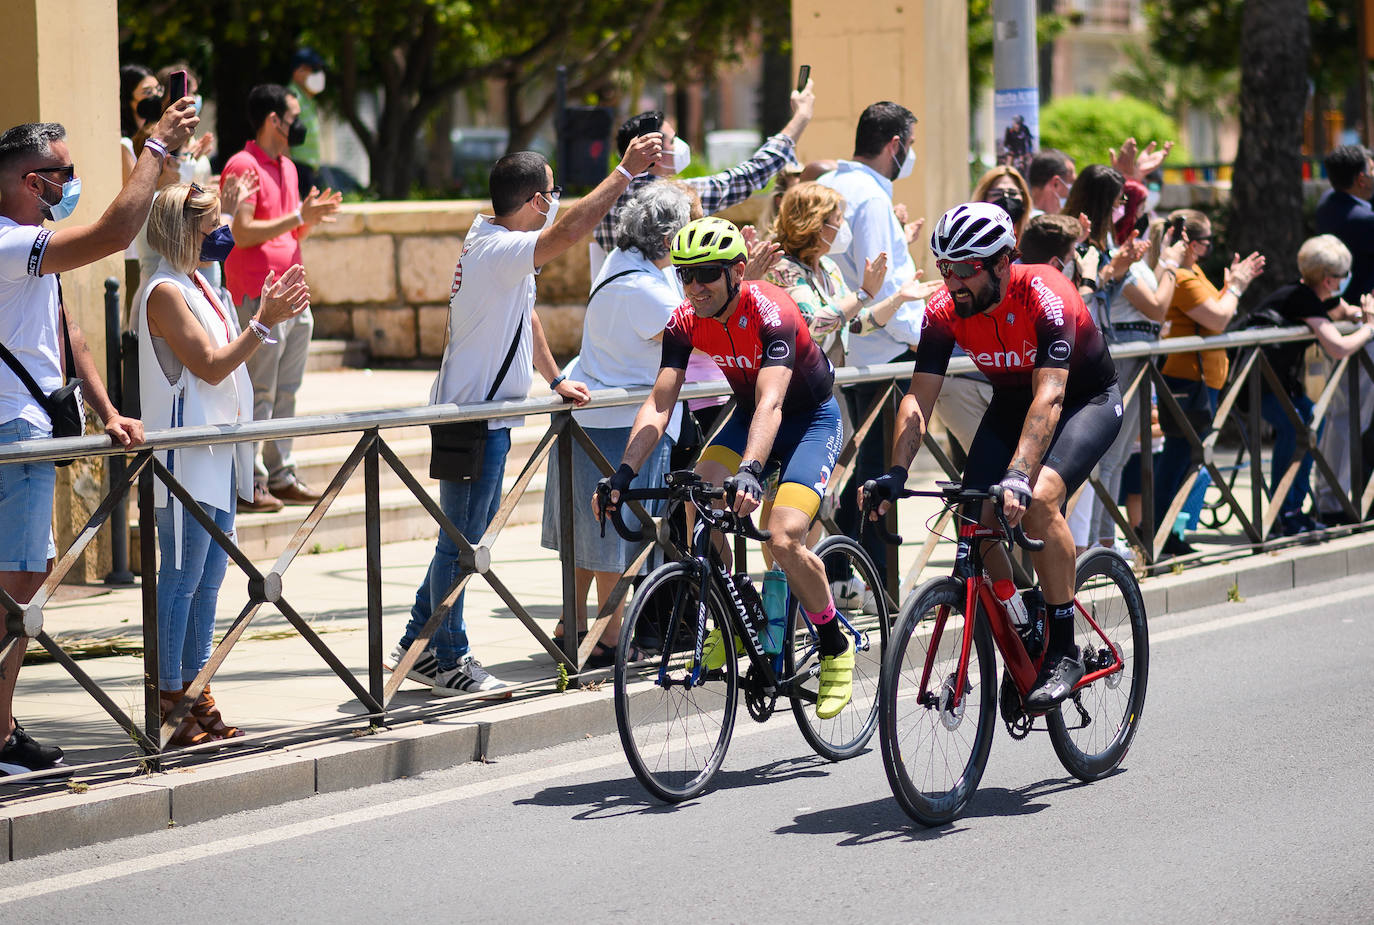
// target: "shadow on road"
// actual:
[[612, 798]]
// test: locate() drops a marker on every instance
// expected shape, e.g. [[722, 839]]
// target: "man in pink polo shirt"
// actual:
[[268, 228]]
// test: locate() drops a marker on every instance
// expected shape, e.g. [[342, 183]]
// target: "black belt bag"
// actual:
[[457, 450]]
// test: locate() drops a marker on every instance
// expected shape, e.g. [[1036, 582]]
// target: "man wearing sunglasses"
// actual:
[[1055, 407], [39, 183], [785, 417]]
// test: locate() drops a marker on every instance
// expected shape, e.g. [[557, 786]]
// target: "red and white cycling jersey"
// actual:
[[1040, 322], [765, 329]]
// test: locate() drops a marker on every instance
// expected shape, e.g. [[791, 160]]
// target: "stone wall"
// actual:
[[381, 274]]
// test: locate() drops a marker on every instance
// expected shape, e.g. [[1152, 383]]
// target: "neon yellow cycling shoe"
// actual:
[[837, 683], [713, 653]]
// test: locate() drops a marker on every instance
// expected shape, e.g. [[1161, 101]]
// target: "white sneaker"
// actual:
[[852, 594], [468, 678], [426, 667], [1124, 549]]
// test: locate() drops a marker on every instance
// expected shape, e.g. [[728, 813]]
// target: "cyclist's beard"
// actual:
[[979, 303]]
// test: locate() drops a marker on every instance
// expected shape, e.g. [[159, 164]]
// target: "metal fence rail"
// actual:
[[1254, 514]]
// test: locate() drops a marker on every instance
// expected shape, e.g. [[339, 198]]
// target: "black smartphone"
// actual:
[[652, 124], [176, 86], [803, 75]]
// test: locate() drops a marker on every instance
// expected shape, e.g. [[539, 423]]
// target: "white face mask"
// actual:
[[681, 156], [908, 165], [1118, 212], [549, 215], [315, 83], [843, 238], [1340, 289]]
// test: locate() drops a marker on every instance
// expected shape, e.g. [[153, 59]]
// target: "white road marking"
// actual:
[[1255, 616]]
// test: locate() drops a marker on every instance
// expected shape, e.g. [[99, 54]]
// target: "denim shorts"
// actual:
[[26, 493]]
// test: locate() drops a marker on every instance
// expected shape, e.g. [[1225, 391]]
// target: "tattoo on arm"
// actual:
[[1041, 420]]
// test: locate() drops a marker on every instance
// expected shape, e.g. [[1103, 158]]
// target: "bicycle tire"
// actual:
[[1106, 586], [935, 756], [675, 738], [847, 734]]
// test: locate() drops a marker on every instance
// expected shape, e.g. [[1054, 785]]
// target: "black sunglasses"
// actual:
[[68, 170], [706, 275], [553, 193]]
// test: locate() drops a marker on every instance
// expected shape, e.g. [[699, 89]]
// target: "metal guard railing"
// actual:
[[1250, 370]]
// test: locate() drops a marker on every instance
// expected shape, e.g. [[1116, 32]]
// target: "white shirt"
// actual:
[[492, 298], [618, 346], [1121, 311], [868, 209], [30, 322]]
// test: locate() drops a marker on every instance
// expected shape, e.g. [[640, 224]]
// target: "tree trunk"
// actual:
[[1266, 189]]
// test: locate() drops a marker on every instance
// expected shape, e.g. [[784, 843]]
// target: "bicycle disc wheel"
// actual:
[[1092, 731], [845, 735], [934, 751], [675, 736]]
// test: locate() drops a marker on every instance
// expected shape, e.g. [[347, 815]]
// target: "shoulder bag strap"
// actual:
[[510, 355], [601, 285], [69, 361]]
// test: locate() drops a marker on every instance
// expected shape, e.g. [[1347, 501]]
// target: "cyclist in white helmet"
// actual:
[[1055, 408]]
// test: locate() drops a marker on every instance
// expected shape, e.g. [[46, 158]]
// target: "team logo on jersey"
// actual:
[[1059, 350], [743, 321], [778, 350], [1011, 318], [824, 480], [1049, 301]]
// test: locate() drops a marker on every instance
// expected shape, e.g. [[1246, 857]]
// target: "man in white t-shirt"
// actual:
[[38, 183], [491, 317]]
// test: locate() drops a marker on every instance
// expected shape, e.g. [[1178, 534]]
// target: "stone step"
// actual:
[[327, 355]]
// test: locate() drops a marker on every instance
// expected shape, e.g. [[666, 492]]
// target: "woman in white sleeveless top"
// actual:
[[190, 357]]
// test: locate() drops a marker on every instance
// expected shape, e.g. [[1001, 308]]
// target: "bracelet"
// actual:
[[158, 147], [261, 331], [1169, 264], [862, 294], [1235, 291], [557, 380], [621, 168], [300, 218]]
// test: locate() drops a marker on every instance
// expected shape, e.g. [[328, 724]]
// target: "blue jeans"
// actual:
[[1174, 461], [471, 506], [187, 596], [1285, 444]]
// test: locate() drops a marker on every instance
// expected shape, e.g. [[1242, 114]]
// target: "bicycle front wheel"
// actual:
[[675, 734], [868, 622], [935, 745], [1092, 730]]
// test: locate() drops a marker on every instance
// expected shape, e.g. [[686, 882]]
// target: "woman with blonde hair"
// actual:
[[191, 372], [1007, 188]]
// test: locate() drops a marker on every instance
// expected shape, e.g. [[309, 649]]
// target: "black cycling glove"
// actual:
[[1016, 482], [619, 482], [746, 482], [889, 487]]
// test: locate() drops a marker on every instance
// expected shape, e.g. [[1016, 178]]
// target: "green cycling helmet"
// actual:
[[708, 240]]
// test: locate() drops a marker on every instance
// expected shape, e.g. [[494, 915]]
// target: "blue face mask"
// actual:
[[217, 245], [71, 192], [1345, 281]]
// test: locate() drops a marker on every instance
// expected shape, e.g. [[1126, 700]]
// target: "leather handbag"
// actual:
[[457, 450]]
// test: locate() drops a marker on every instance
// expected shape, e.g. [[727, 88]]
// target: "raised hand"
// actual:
[[178, 124], [875, 271], [235, 189], [643, 153], [283, 297], [320, 207]]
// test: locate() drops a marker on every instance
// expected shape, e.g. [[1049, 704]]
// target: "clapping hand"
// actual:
[[320, 207], [235, 189], [283, 297], [763, 254]]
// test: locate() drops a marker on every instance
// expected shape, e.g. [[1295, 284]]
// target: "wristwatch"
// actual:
[[754, 466]]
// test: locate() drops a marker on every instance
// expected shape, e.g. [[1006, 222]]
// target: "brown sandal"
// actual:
[[208, 715], [188, 731]]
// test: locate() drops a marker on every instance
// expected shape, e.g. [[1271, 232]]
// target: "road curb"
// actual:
[[43, 824]]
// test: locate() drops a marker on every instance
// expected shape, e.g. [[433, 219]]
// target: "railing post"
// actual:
[[114, 385], [1356, 436], [567, 551], [147, 542], [893, 569], [1252, 421], [376, 683], [1147, 463]]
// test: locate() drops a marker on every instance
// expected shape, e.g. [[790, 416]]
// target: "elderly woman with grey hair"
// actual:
[[630, 302]]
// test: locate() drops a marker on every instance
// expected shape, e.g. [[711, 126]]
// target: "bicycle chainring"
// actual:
[[1013, 714], [760, 705]]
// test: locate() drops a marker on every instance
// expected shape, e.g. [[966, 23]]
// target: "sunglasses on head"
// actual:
[[961, 269], [706, 275]]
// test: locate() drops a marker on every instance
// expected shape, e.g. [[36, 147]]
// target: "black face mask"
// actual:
[[1010, 201], [149, 108], [295, 135]]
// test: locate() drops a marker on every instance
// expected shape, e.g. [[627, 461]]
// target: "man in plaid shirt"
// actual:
[[719, 190]]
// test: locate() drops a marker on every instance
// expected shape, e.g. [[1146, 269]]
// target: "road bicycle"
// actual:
[[674, 714], [940, 696]]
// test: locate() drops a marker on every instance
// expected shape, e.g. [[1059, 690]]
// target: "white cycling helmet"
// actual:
[[971, 231]]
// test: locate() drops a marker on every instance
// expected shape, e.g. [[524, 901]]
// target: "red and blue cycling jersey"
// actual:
[[765, 329], [1041, 322]]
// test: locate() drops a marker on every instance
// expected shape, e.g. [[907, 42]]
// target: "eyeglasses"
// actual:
[[706, 275], [68, 171], [552, 193], [961, 269]]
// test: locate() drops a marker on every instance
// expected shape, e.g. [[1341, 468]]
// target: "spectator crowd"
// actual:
[[218, 296]]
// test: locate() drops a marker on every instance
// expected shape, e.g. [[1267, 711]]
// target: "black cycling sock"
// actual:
[[1061, 628]]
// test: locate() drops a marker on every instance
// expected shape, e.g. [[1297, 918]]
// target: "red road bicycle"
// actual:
[[938, 694]]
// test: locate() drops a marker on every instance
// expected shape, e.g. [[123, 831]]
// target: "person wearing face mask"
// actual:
[[268, 227], [1314, 300], [194, 166], [38, 184], [1197, 309], [1055, 407], [307, 82], [495, 344], [883, 153], [1050, 178], [191, 373], [717, 191], [1005, 187]]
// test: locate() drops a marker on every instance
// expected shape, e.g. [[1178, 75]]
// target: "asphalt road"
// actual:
[[1246, 798]]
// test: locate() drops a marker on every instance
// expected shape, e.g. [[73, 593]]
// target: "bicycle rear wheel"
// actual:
[[934, 751], [845, 735], [675, 736], [1092, 731]]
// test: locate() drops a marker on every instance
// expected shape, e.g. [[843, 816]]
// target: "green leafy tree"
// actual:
[[1086, 127], [1177, 88]]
